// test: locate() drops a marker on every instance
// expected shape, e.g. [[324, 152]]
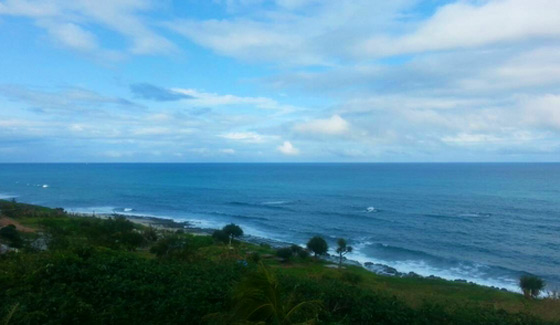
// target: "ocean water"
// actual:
[[487, 223]]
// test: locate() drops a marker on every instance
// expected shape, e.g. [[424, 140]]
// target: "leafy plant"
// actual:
[[259, 298], [11, 234], [342, 250], [232, 231], [531, 285], [285, 253], [317, 245]]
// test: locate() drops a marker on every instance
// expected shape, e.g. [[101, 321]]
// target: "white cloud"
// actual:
[[466, 24], [334, 125], [228, 151], [72, 23], [286, 35], [288, 149], [72, 36], [201, 98], [250, 137], [543, 111]]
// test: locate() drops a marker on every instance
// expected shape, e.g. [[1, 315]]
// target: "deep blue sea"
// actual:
[[486, 223]]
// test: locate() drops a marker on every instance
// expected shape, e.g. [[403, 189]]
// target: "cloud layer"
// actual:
[[284, 80]]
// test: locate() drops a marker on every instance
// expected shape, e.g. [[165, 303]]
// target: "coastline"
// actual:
[[170, 224]]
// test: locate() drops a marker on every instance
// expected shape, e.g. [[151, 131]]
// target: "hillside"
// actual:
[[61, 268]]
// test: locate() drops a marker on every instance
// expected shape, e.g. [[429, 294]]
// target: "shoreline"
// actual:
[[170, 224]]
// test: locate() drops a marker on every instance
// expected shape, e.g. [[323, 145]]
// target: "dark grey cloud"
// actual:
[[152, 92]]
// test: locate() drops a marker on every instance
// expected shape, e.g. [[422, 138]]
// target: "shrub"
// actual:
[[254, 257], [531, 285], [150, 234], [220, 236], [285, 253], [317, 245], [172, 246], [11, 234], [232, 231]]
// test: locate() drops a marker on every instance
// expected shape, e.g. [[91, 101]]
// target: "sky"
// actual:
[[279, 81]]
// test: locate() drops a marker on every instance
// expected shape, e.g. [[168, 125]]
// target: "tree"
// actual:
[[317, 245], [342, 250], [232, 231], [531, 285]]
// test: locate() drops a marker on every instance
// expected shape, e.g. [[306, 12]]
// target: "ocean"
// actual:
[[486, 223]]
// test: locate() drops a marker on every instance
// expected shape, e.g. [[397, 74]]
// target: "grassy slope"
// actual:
[[413, 291]]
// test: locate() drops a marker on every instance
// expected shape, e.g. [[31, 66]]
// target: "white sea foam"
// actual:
[[472, 273], [5, 196], [92, 210], [274, 202]]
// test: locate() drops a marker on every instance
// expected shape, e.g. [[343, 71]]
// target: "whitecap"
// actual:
[[274, 202]]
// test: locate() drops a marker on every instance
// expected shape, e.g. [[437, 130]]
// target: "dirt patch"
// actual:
[[4, 221]]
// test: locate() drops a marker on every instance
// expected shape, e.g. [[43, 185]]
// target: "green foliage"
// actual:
[[179, 246], [300, 252], [260, 298], [232, 231], [531, 285], [112, 287], [317, 245], [220, 236], [342, 250], [12, 209], [114, 233], [351, 277], [10, 314], [172, 246], [11, 234], [94, 273], [150, 234], [285, 253], [344, 303], [254, 257]]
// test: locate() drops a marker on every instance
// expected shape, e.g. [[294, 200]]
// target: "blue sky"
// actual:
[[279, 81]]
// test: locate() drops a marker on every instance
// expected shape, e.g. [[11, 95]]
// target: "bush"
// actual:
[[172, 246], [11, 234], [285, 253], [254, 257], [220, 236], [112, 287], [299, 251], [531, 285], [150, 234], [232, 231], [317, 245]]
